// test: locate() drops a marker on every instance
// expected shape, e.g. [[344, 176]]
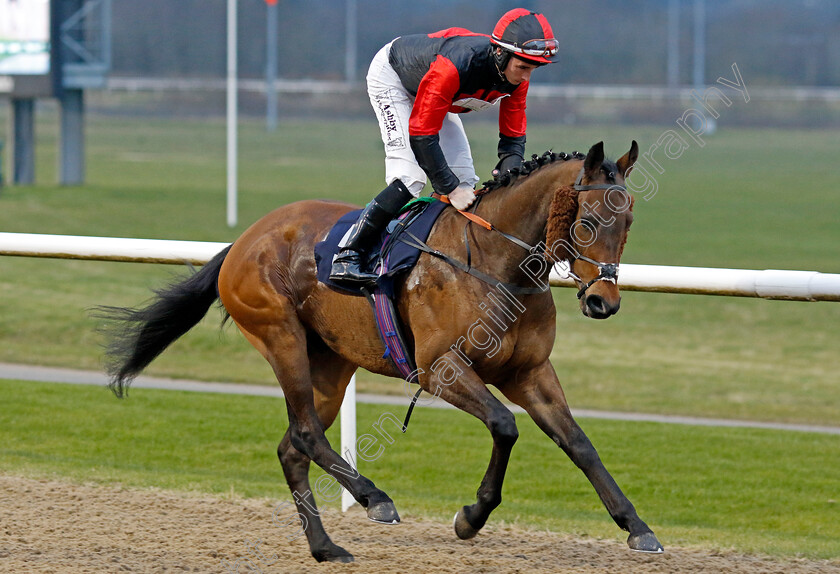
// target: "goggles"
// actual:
[[537, 47]]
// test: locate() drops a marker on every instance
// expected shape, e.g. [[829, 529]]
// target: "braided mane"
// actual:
[[564, 204], [528, 167]]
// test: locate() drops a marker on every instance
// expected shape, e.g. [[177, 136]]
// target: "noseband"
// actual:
[[606, 271]]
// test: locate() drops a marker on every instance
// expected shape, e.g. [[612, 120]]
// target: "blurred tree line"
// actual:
[[774, 42]]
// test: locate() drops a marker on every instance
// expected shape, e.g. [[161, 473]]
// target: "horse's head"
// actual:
[[588, 225]]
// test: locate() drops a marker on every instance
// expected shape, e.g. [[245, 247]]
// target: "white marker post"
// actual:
[[348, 436], [231, 114]]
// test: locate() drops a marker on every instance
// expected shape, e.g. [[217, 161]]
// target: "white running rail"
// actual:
[[768, 283]]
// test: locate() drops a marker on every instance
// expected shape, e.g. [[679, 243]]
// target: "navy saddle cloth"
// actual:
[[393, 256]]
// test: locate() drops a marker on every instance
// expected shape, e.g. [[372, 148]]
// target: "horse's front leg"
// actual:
[[459, 385], [540, 394]]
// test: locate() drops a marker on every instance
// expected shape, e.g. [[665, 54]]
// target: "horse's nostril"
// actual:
[[597, 305], [600, 308]]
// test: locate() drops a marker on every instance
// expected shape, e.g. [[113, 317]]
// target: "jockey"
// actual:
[[417, 85]]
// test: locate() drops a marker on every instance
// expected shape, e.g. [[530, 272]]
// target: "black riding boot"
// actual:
[[347, 266]]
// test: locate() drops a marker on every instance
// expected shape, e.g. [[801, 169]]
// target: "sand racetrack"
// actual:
[[51, 526]]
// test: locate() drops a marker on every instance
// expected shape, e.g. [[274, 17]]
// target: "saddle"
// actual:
[[392, 258]]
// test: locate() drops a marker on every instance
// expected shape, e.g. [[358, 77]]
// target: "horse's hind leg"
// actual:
[[539, 392], [330, 376], [281, 338], [296, 470], [307, 436]]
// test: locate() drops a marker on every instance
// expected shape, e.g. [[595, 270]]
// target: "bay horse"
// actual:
[[559, 207]]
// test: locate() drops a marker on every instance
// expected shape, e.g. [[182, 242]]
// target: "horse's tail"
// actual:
[[138, 336]]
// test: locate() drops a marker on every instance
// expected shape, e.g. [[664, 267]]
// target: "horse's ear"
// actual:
[[629, 159], [594, 159]]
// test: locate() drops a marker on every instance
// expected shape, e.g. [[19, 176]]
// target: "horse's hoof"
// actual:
[[645, 542], [383, 513], [463, 529], [334, 553]]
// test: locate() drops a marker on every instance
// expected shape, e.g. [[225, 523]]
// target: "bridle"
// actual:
[[606, 271]]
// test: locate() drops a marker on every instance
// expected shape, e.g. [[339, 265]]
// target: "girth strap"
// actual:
[[375, 297]]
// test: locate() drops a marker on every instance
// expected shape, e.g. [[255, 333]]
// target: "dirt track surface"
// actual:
[[50, 526]]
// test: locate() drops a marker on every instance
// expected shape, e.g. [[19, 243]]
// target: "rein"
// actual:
[[606, 271], [486, 224], [417, 243], [467, 267]]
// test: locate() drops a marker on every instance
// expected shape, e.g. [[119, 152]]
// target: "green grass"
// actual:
[[750, 198], [709, 487]]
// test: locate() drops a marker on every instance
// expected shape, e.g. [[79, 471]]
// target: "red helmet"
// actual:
[[525, 34]]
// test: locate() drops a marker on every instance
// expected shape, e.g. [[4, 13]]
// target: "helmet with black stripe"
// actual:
[[524, 34]]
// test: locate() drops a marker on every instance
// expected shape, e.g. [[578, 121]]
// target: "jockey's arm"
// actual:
[[434, 97], [512, 126], [430, 157]]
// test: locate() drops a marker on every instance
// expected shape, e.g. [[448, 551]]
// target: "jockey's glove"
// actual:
[[462, 196], [506, 164]]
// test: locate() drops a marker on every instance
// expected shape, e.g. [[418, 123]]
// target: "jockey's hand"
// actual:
[[462, 196], [506, 164]]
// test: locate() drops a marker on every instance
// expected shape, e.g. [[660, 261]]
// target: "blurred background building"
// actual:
[[621, 61], [643, 51]]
